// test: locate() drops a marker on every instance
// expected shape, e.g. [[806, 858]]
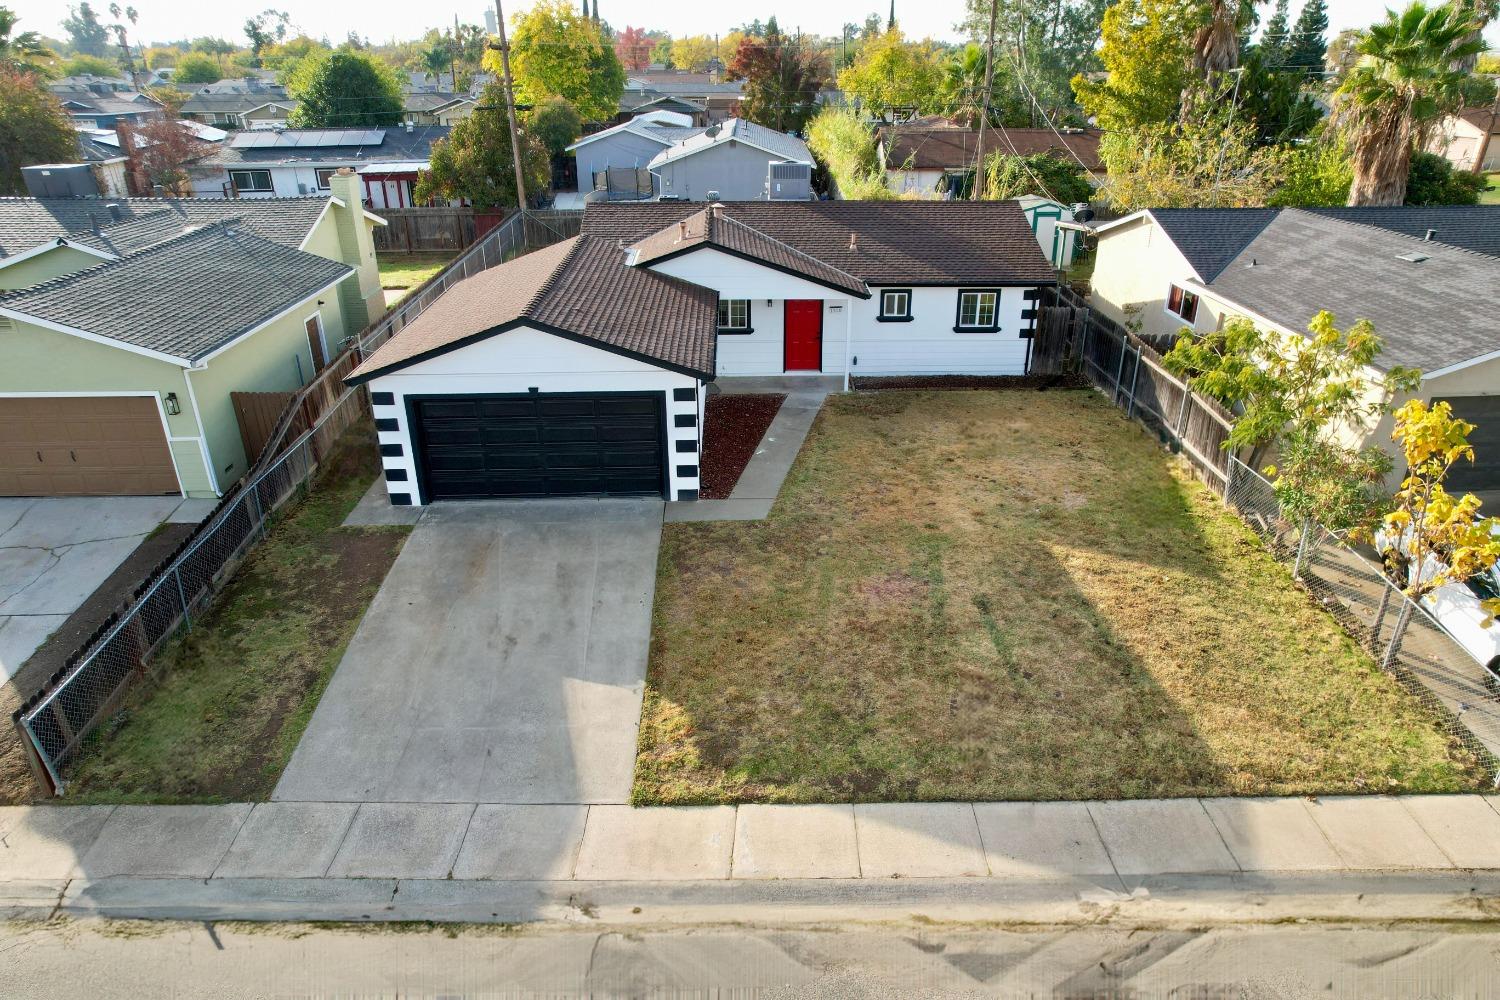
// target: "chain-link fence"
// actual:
[[55, 723], [1401, 634]]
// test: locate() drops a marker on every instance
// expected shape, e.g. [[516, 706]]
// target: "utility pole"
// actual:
[[453, 55], [510, 108], [984, 110]]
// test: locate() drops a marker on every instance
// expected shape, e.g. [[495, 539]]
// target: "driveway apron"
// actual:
[[503, 660]]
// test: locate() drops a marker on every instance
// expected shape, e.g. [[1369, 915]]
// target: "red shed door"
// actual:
[[804, 335]]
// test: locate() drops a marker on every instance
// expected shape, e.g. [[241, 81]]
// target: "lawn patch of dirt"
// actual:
[[880, 383], [237, 690], [1006, 595], [733, 425]]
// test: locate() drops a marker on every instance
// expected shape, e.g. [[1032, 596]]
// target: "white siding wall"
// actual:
[[1133, 273], [517, 361]]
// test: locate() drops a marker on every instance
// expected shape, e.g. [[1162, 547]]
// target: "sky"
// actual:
[[383, 20]]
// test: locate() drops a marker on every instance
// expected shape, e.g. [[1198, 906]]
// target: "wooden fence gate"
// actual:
[[258, 414]]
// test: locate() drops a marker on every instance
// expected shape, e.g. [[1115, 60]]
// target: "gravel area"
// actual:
[[733, 426]]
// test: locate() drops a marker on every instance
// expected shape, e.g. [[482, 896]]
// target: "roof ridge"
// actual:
[[547, 286], [782, 243], [1392, 232]]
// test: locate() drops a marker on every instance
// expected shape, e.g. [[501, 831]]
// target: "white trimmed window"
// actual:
[[323, 173], [1182, 304], [978, 310], [895, 305], [251, 180], [734, 315]]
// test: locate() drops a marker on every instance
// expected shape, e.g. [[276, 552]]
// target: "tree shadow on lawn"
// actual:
[[1004, 595]]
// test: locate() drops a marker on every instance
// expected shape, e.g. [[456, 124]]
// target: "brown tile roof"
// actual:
[[895, 242], [579, 288], [710, 228], [923, 147]]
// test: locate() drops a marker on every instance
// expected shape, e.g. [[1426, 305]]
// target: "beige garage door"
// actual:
[[83, 446]]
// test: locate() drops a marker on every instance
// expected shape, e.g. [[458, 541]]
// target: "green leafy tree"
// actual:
[[1147, 45], [195, 68], [1308, 46], [1274, 100], [475, 161], [1041, 174], [782, 79], [23, 51], [557, 124], [1403, 83], [693, 52], [33, 129], [264, 30], [1439, 539], [1039, 48], [845, 148], [284, 56], [891, 72], [1316, 174], [1275, 40], [1433, 181], [557, 52], [87, 35], [216, 48], [344, 89], [90, 66]]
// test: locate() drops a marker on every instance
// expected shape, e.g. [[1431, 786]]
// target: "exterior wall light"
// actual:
[[172, 405]]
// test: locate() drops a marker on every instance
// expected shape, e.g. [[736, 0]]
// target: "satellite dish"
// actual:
[[1082, 211]]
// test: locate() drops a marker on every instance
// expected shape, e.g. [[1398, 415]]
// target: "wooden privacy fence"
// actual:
[[424, 230], [1072, 337], [257, 414]]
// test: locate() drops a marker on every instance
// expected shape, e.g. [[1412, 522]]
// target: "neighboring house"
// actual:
[[582, 369], [435, 108], [627, 149], [1043, 215], [1470, 140], [711, 98], [95, 102], [928, 158], [1165, 269], [103, 155], [250, 103], [735, 160], [293, 162], [128, 324]]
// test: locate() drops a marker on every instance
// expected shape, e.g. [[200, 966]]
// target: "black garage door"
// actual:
[[1484, 475], [540, 445]]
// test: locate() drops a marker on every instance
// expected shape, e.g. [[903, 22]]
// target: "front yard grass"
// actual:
[[1005, 595], [238, 689]]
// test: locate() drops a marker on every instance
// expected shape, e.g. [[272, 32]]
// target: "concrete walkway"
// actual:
[[1110, 848], [502, 660], [752, 497]]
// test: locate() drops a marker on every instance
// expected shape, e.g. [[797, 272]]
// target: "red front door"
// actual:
[[804, 335]]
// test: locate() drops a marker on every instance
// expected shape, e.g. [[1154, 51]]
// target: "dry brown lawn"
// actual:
[[1005, 595]]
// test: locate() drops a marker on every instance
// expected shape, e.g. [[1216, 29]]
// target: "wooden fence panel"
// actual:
[[258, 414], [425, 230]]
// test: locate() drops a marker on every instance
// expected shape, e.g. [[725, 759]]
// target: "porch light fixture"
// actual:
[[173, 407]]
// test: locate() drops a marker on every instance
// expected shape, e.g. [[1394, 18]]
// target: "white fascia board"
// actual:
[[319, 221], [96, 338], [1144, 213], [54, 244], [203, 361], [1460, 365]]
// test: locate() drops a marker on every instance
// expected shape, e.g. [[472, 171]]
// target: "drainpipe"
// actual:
[[848, 336]]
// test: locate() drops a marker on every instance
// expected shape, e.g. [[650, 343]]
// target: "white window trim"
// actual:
[[976, 326], [1166, 305], [728, 305], [904, 313], [270, 180]]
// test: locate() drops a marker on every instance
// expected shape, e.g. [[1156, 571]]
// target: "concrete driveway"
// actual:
[[54, 552], [503, 660]]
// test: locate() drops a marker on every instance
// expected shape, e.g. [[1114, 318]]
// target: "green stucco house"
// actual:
[[126, 324]]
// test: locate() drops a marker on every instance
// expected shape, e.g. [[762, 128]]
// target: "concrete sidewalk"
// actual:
[[1113, 847]]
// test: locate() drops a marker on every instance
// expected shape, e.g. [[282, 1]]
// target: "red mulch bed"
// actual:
[[733, 426], [877, 383]]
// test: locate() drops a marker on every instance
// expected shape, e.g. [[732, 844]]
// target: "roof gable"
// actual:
[[738, 131]]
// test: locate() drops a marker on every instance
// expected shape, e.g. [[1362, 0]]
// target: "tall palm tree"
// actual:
[[963, 81], [1404, 82], [1216, 49], [24, 52]]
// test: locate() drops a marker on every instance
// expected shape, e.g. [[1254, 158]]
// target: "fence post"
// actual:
[[1135, 378], [187, 615], [1120, 368], [1385, 603], [1397, 633], [1187, 396], [42, 772], [1301, 550]]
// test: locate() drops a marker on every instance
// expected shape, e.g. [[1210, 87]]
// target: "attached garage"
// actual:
[[1484, 474], [84, 446], [530, 445], [562, 373]]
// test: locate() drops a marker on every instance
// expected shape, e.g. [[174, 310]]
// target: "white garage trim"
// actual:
[[208, 462], [161, 414]]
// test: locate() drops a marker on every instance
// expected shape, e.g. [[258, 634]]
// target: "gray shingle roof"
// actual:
[[239, 103], [581, 287], [787, 147], [1473, 227], [896, 242], [183, 298], [397, 144], [1211, 237], [709, 228], [26, 222], [1430, 313]]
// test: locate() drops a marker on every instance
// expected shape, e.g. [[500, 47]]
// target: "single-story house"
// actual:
[[931, 158], [626, 149], [1059, 243], [429, 107], [287, 163], [1167, 269], [101, 151], [711, 96], [1470, 140], [92, 102], [239, 104], [127, 324], [735, 160], [582, 369]]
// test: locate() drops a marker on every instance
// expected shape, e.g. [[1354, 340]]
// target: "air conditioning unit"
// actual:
[[788, 180]]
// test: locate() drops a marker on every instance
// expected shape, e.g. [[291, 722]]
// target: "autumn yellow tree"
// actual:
[[891, 72], [557, 52], [693, 52]]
